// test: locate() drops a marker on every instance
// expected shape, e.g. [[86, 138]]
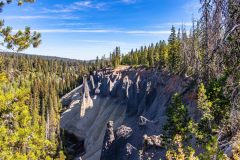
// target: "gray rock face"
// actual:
[[124, 113]]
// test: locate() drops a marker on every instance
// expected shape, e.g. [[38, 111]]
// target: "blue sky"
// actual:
[[84, 29]]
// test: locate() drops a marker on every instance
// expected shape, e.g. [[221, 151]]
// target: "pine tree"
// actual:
[[144, 56], [19, 138], [179, 152], [173, 53], [135, 59], [206, 10], [150, 55], [178, 120], [205, 106], [163, 55], [156, 54], [230, 52]]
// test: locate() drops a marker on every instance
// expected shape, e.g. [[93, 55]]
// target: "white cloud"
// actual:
[[92, 30], [75, 24], [39, 17], [148, 32], [136, 32], [104, 42], [27, 17], [76, 6], [83, 5], [169, 24], [180, 24], [129, 1], [76, 31]]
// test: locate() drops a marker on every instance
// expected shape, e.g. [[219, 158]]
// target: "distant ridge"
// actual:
[[45, 57]]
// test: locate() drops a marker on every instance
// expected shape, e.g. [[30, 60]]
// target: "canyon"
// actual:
[[120, 114]]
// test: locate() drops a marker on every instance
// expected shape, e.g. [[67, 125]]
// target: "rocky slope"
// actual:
[[119, 115]]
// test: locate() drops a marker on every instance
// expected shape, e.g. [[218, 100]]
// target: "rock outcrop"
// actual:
[[120, 114], [109, 136], [152, 141], [86, 100]]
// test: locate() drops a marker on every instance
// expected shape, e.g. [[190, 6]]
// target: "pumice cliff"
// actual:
[[86, 100], [120, 114]]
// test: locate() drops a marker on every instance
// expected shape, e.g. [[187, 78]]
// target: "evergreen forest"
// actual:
[[31, 86]]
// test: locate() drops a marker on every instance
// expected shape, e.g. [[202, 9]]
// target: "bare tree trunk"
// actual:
[[206, 26]]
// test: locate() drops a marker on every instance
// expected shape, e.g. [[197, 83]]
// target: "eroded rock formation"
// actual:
[[120, 112], [86, 100]]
